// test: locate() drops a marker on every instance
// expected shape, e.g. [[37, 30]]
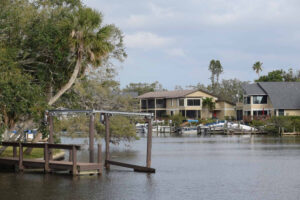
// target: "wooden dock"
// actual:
[[47, 164]]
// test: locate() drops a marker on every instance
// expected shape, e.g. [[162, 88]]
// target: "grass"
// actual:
[[36, 153]]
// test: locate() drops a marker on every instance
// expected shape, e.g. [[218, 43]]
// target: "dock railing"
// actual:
[[73, 148]]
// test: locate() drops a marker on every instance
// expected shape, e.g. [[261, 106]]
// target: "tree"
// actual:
[[257, 67], [231, 90], [212, 69], [209, 103], [142, 88], [51, 43], [91, 44], [273, 76], [280, 76], [219, 70], [216, 69]]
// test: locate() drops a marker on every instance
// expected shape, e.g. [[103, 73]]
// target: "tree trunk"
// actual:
[[70, 82]]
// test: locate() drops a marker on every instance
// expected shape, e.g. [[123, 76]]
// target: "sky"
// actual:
[[173, 41]]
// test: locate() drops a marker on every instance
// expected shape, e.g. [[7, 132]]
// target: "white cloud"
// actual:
[[146, 40], [176, 52]]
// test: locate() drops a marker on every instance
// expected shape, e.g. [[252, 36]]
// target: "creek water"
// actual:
[[218, 167]]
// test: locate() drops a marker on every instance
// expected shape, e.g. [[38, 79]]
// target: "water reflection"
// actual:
[[218, 167]]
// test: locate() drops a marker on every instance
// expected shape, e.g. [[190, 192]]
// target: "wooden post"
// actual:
[[107, 138], [149, 143], [92, 136], [21, 167], [100, 157], [14, 151], [50, 141], [70, 155], [46, 158], [74, 160]]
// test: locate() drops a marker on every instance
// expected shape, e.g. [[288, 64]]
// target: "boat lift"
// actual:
[[107, 114]]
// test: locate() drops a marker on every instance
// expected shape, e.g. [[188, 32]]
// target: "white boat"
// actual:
[[188, 130]]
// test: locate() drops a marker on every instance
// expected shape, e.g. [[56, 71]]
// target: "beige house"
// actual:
[[186, 102], [271, 99]]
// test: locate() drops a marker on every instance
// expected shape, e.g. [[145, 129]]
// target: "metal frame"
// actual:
[[64, 112], [148, 117]]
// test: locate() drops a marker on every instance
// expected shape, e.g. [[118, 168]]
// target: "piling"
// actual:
[[91, 137], [107, 138], [149, 143]]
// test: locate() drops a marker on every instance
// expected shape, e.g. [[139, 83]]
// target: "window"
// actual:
[[193, 102], [182, 112], [160, 103], [246, 100], [181, 102], [247, 113], [144, 104], [171, 102], [261, 112], [281, 112], [260, 99]]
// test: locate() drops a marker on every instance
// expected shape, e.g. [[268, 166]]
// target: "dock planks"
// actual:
[[48, 164]]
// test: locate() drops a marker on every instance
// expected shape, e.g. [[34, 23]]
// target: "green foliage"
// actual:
[[231, 90], [96, 94], [41, 45], [121, 128], [258, 123], [209, 103], [19, 98], [207, 121], [273, 76], [257, 67], [142, 88], [177, 119], [289, 123], [35, 153], [280, 76], [216, 69]]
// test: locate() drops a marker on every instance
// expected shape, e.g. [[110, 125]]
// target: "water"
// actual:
[[218, 167]]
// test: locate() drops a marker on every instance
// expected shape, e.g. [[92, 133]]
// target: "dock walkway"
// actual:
[[49, 165]]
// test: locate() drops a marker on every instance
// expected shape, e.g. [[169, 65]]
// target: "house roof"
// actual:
[[167, 94], [283, 95], [253, 89]]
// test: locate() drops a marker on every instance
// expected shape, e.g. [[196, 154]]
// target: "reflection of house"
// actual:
[[271, 98], [186, 102]]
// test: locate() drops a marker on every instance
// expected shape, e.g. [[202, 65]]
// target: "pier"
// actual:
[[18, 162], [73, 166]]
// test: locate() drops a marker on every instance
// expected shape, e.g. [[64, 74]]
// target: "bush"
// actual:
[[289, 123], [258, 123]]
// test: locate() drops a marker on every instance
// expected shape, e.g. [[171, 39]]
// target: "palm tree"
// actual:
[[209, 103], [257, 67], [91, 44]]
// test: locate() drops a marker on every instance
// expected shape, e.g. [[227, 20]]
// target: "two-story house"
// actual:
[[186, 102], [271, 99]]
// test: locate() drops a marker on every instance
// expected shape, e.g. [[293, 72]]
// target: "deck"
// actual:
[[53, 165], [47, 164]]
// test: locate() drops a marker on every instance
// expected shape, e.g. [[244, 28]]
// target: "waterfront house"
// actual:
[[271, 99], [186, 102]]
